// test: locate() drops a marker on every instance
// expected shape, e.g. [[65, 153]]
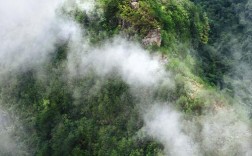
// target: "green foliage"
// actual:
[[178, 20], [94, 116], [216, 59], [174, 18], [86, 116], [222, 13], [141, 20]]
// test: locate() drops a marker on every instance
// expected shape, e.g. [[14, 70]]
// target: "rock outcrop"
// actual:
[[153, 38], [134, 4]]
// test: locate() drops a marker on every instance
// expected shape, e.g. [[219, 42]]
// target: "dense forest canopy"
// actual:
[[126, 77]]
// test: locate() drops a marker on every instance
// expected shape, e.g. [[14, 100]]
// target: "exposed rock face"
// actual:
[[134, 4], [153, 38]]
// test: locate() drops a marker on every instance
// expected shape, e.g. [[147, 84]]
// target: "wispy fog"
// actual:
[[30, 30]]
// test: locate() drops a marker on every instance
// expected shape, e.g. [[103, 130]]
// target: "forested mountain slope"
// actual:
[[125, 77]]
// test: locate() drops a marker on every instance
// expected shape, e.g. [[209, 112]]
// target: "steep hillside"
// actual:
[[125, 77]]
